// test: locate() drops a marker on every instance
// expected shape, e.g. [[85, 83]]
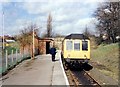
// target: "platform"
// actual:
[[41, 71]]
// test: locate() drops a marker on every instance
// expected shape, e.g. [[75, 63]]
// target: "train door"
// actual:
[[47, 47]]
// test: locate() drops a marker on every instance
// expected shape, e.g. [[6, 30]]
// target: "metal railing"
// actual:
[[12, 59]]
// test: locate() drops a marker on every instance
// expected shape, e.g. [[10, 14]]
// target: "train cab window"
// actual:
[[85, 45], [68, 45], [76, 45]]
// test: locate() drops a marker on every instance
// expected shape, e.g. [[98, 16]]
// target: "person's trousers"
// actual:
[[53, 57]]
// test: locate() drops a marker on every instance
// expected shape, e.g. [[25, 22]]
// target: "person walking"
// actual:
[[53, 53]]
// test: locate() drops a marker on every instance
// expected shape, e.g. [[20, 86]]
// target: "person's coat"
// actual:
[[52, 51]]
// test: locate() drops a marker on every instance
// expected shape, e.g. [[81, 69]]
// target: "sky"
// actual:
[[68, 16]]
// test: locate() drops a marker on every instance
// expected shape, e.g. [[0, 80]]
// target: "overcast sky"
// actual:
[[68, 16]]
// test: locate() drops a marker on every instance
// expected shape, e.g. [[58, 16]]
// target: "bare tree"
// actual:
[[108, 17], [25, 38], [49, 26], [86, 32]]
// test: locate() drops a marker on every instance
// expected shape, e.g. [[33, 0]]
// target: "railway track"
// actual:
[[95, 83], [85, 79], [72, 79], [80, 78]]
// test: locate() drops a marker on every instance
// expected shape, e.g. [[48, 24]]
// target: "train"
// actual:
[[76, 49]]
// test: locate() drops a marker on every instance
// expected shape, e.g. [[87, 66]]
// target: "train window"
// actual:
[[68, 45], [84, 45], [76, 45]]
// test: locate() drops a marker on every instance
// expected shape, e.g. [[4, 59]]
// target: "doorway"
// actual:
[[47, 47]]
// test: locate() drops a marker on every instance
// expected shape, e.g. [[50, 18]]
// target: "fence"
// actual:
[[12, 59]]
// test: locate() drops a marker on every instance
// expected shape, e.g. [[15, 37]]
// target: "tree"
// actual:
[[86, 32], [49, 26], [26, 36], [108, 19]]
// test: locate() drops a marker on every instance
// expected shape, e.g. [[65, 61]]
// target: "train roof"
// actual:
[[76, 36]]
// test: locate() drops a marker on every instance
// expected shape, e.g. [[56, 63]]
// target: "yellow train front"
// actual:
[[76, 48]]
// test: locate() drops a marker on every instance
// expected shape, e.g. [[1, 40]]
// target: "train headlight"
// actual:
[[68, 55], [85, 56]]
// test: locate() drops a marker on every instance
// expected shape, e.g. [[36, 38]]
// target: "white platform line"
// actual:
[[67, 83]]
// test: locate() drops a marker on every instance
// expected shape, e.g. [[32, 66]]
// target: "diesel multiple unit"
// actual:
[[76, 48]]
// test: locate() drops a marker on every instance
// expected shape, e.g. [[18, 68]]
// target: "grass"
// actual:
[[12, 46], [108, 56], [9, 49]]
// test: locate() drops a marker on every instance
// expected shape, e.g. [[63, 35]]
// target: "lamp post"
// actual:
[[3, 41], [33, 44], [33, 51], [3, 29]]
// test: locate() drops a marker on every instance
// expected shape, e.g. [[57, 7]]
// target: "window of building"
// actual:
[[68, 45], [85, 45], [76, 45]]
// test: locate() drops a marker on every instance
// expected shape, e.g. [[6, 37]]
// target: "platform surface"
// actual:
[[41, 71]]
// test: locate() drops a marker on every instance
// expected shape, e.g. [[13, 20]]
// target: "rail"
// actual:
[[93, 80], [80, 78]]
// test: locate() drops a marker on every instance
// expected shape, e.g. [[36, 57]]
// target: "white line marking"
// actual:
[[67, 83]]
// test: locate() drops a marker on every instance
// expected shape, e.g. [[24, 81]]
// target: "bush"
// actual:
[[9, 49]]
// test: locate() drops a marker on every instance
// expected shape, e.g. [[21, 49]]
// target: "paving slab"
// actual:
[[41, 71], [59, 76]]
